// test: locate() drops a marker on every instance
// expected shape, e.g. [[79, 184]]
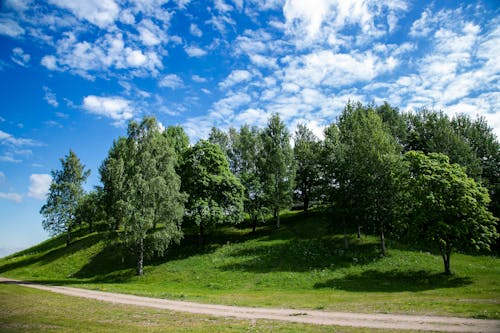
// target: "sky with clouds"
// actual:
[[73, 73]]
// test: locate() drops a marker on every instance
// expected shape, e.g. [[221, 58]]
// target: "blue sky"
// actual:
[[73, 73]]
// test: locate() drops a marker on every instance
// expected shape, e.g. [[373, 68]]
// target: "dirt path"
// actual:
[[382, 321]]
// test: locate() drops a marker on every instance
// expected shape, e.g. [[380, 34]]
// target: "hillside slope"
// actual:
[[302, 265]]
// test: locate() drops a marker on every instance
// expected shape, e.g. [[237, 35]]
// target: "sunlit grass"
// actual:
[[301, 265]]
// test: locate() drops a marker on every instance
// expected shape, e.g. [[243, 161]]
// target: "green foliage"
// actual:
[[90, 209], [142, 190], [306, 152], [449, 208], [178, 140], [433, 132], [369, 170], [65, 191], [277, 166], [215, 194]]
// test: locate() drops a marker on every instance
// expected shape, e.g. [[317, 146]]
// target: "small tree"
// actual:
[[215, 194], [449, 209], [306, 152], [65, 192], [278, 166]]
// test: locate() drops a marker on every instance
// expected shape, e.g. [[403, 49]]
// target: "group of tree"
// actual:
[[420, 177]]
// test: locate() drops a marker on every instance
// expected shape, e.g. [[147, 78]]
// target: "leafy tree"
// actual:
[[486, 147], [247, 147], [141, 185], [215, 194], [433, 132], [306, 153], [394, 120], [449, 208], [369, 169], [178, 140], [91, 208], [65, 192], [278, 166], [113, 175]]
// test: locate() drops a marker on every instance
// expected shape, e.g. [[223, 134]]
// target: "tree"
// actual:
[[90, 209], [278, 166], [247, 147], [306, 153], [114, 179], [369, 169], [141, 183], [178, 140], [433, 132], [215, 194], [65, 192], [449, 208]]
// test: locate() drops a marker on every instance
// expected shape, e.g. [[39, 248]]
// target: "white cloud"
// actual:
[[10, 28], [11, 196], [101, 13], [150, 34], [18, 5], [195, 30], [19, 57], [39, 186], [235, 77], [171, 81], [116, 108], [136, 58], [199, 79], [50, 97], [50, 62], [6, 138], [193, 51]]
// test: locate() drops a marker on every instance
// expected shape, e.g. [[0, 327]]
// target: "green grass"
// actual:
[[24, 309], [302, 265]]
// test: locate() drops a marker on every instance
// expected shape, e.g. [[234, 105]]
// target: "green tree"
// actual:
[[306, 153], [114, 179], [142, 188], [433, 132], [247, 147], [65, 192], [178, 140], [369, 169], [486, 147], [449, 209], [91, 209], [215, 194], [278, 166]]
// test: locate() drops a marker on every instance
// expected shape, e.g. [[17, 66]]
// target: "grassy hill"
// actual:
[[301, 265]]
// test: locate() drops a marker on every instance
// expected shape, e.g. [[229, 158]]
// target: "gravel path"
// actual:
[[382, 321]]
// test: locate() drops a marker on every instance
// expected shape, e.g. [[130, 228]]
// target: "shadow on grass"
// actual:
[[302, 255], [394, 281]]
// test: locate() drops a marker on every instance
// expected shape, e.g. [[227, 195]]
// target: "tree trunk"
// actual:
[[382, 241], [140, 259], [306, 203], [202, 235], [68, 236], [254, 225], [346, 240], [278, 221], [446, 254], [359, 231]]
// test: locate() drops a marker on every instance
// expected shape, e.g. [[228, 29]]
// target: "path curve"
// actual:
[[381, 321]]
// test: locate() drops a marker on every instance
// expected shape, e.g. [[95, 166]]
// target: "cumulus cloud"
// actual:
[[19, 57], [235, 77], [116, 108], [101, 13], [11, 28], [11, 196], [193, 51], [195, 30], [8, 139], [39, 186], [171, 81], [50, 97]]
